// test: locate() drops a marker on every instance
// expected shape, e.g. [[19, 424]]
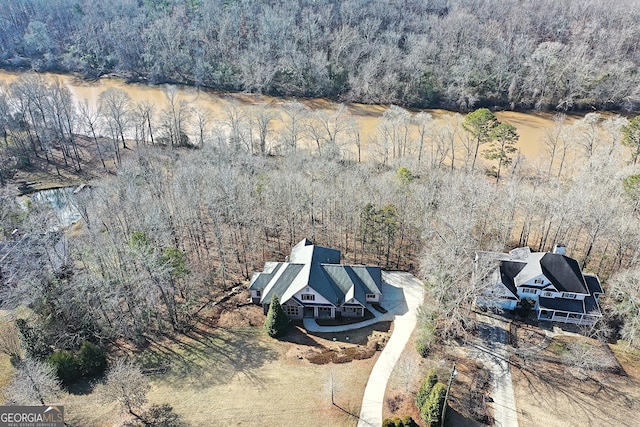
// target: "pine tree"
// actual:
[[277, 323], [431, 411], [425, 388]]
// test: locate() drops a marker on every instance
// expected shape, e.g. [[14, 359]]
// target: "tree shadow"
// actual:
[[204, 358], [454, 418], [82, 387]]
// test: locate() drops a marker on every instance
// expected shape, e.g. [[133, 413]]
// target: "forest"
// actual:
[[456, 54], [180, 210]]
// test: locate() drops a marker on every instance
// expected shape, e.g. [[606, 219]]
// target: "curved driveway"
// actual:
[[402, 294]]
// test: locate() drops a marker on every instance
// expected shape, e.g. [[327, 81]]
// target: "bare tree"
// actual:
[[10, 340], [553, 140], [425, 124], [34, 383], [295, 112], [127, 386], [262, 117], [90, 118], [176, 117], [114, 106]]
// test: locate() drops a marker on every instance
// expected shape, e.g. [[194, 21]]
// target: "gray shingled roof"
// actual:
[[285, 279], [259, 281], [335, 282], [370, 276]]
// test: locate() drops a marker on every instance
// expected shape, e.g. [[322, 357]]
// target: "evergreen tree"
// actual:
[[425, 388], [92, 360], [431, 411], [277, 323], [503, 147], [631, 137], [480, 124]]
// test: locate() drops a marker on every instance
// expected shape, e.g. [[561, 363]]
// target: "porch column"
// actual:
[[315, 311], [333, 312]]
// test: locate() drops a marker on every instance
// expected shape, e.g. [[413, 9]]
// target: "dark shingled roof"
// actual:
[[593, 283], [508, 272], [562, 304], [564, 273], [591, 306]]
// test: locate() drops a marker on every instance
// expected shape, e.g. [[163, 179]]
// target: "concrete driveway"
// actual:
[[402, 295], [493, 353]]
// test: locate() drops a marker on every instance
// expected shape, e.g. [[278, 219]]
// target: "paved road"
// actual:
[[401, 296], [495, 356]]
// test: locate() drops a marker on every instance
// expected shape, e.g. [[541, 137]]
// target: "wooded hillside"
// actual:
[[458, 54]]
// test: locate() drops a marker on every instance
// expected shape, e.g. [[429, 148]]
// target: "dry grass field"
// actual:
[[553, 394], [239, 376]]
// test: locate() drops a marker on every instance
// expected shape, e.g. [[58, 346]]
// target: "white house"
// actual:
[[313, 283], [553, 281]]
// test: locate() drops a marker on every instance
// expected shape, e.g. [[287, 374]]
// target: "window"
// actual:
[[258, 293], [292, 310], [548, 294], [529, 290], [371, 296], [308, 297], [538, 281], [568, 295]]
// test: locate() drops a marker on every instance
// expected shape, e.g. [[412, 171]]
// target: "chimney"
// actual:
[[559, 249]]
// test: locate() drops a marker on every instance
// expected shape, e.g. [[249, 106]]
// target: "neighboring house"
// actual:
[[560, 290], [313, 283]]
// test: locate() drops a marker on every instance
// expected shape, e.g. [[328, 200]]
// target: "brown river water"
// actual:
[[531, 126]]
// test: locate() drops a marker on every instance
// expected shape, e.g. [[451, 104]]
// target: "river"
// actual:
[[531, 126]]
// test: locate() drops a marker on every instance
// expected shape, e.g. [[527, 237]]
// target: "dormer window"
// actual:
[[539, 281], [308, 297]]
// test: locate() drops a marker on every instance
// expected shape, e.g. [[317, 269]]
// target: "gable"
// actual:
[[308, 295], [281, 282], [259, 281]]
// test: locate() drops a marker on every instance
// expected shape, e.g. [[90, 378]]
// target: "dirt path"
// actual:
[[492, 352], [402, 295]]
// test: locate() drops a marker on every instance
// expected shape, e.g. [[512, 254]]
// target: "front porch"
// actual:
[[319, 312]]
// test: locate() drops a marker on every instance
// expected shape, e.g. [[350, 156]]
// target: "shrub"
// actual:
[[66, 366], [92, 360], [425, 388], [399, 422], [407, 421], [526, 305], [431, 411], [32, 338], [277, 323], [425, 340]]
